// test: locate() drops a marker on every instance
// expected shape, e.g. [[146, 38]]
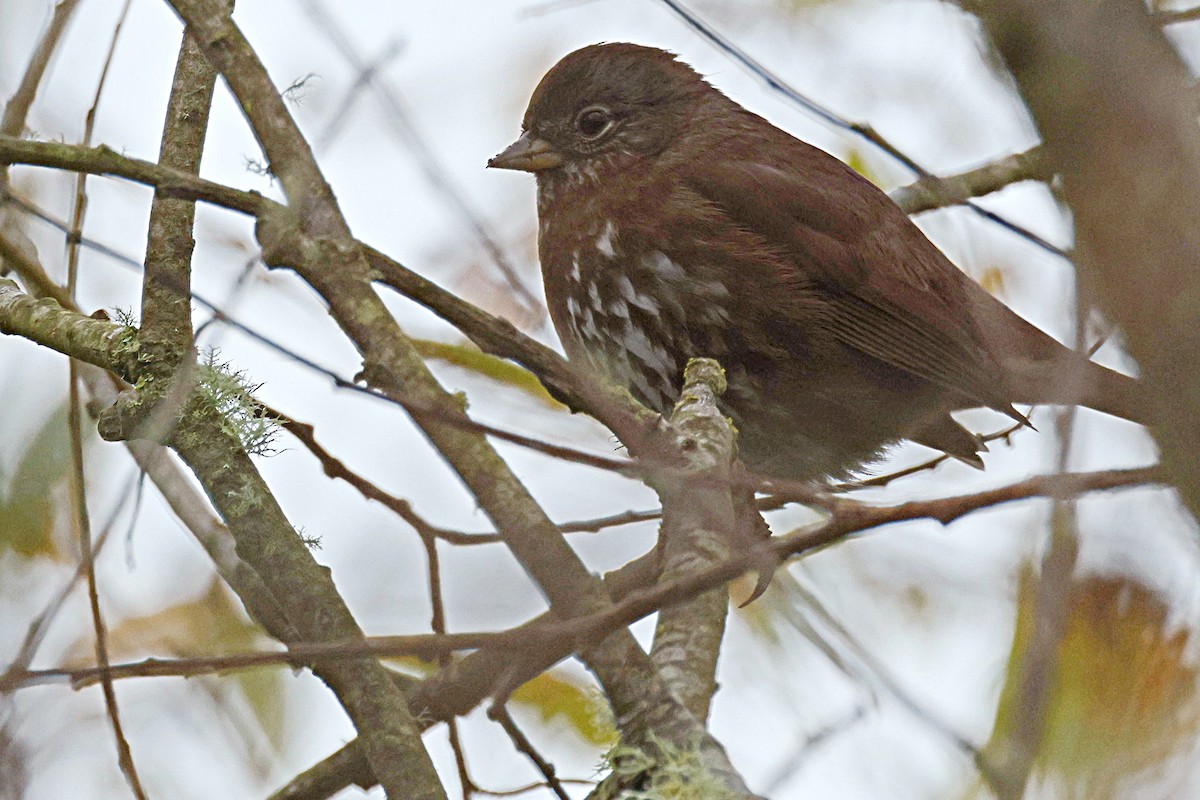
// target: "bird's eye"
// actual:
[[593, 121]]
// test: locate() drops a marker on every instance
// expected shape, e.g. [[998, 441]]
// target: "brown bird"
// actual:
[[673, 223]]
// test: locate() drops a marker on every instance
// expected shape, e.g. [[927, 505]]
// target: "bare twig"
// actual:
[[17, 109], [926, 194], [1104, 85], [862, 130], [31, 272], [341, 114], [87, 556], [465, 782], [499, 714], [1176, 17], [804, 750], [424, 156], [75, 421], [532, 787]]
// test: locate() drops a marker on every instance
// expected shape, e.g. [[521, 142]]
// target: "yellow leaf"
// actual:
[[992, 279], [555, 694], [854, 159], [470, 357], [207, 626], [1124, 696]]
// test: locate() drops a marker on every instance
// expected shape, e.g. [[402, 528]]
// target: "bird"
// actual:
[[673, 224]]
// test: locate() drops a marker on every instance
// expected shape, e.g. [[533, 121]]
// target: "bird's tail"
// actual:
[[1071, 379]]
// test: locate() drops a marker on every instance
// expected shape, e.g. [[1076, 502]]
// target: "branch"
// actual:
[[1106, 88], [102, 160], [312, 237], [459, 689], [699, 525], [928, 192], [17, 109], [1176, 17], [98, 342], [860, 129]]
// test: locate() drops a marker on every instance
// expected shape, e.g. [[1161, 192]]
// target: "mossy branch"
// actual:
[[105, 344]]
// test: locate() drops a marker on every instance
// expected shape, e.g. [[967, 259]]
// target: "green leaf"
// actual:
[[857, 162], [470, 357], [27, 508]]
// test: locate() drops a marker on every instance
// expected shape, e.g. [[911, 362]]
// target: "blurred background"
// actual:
[[877, 668]]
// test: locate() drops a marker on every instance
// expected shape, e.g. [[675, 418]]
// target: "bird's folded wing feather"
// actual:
[[909, 315]]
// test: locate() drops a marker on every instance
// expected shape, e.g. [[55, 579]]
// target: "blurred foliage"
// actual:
[[855, 159], [798, 6], [14, 766], [27, 502], [992, 279], [556, 694], [207, 626], [470, 357], [1123, 700]]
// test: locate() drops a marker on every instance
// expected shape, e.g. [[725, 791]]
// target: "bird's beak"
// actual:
[[527, 153]]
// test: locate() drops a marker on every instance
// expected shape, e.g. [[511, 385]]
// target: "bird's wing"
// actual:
[[892, 294]]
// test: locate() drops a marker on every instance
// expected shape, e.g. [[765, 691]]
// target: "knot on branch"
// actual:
[[706, 372], [120, 421], [284, 243], [699, 429]]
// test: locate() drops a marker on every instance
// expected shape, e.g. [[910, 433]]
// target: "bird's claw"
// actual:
[[766, 564]]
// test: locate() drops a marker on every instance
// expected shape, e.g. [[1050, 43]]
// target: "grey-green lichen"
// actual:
[[231, 394], [669, 772], [246, 498]]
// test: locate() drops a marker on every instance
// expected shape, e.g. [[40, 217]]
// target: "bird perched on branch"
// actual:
[[673, 223]]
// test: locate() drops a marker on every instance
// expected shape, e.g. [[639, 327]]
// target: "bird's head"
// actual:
[[601, 103]]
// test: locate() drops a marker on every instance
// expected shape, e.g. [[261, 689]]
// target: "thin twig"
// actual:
[[862, 130], [75, 421], [341, 114], [333, 467], [498, 712], [16, 111], [796, 759], [465, 782], [532, 787], [936, 461], [88, 563], [31, 273], [850, 517], [879, 673], [1176, 17], [424, 156], [927, 194]]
